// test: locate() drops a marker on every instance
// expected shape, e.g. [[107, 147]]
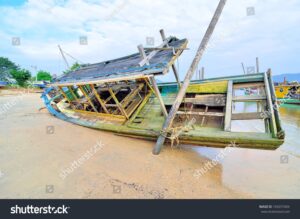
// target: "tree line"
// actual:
[[10, 71]]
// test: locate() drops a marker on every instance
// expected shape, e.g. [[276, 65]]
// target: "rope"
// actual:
[[173, 134]]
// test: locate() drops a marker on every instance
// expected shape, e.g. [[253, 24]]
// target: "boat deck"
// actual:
[[147, 125]]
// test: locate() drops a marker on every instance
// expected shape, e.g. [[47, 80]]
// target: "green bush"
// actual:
[[21, 76], [43, 76]]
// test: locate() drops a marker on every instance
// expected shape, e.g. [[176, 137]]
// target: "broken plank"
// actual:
[[228, 111]]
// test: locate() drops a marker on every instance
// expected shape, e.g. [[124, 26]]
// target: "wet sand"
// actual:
[[35, 147]]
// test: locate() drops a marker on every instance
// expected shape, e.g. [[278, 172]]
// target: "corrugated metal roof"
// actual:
[[126, 66]]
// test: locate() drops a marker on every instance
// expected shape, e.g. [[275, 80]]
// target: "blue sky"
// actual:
[[114, 28]]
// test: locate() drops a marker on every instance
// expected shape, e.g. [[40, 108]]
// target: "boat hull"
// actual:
[[147, 121]]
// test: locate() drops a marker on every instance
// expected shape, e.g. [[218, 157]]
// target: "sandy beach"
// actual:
[[36, 148]]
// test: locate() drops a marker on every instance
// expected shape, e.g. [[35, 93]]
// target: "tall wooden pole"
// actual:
[[63, 56], [163, 37], [243, 68], [202, 73], [257, 65], [189, 75]]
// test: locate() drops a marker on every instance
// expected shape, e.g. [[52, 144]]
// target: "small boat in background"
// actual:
[[3, 84], [288, 92]]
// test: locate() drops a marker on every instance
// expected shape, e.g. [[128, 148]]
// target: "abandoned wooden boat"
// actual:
[[122, 96]]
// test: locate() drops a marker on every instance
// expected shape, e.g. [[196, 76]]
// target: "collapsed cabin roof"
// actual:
[[159, 60]]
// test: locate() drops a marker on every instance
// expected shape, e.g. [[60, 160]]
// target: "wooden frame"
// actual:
[[88, 98], [117, 102], [72, 92], [99, 98], [64, 94]]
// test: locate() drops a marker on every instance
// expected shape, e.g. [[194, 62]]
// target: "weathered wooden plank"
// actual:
[[253, 98], [103, 115], [270, 107], [248, 85], [131, 108], [212, 114], [248, 116], [141, 106], [228, 110], [188, 77], [219, 87], [203, 119], [281, 133], [131, 95], [105, 80]]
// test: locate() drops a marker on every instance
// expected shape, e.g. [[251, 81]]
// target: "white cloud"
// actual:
[[115, 28]]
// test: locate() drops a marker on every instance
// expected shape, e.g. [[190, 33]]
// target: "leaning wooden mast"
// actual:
[[189, 75]]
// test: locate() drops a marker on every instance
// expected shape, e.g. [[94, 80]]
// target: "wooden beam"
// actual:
[[132, 95], [281, 133], [163, 36], [248, 116], [87, 97], [157, 93], [253, 98], [143, 54], [110, 97], [118, 103], [203, 118], [153, 53], [249, 85], [102, 115], [216, 114], [169, 121], [72, 92], [270, 107], [149, 85], [207, 100], [243, 67], [228, 111], [136, 113], [202, 74], [99, 98], [257, 65], [64, 94], [176, 75], [106, 80]]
